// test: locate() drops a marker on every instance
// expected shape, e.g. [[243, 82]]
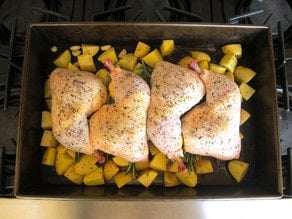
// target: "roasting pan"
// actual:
[[260, 146]]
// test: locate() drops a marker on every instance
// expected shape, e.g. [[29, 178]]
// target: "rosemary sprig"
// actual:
[[190, 161], [145, 72], [132, 169]]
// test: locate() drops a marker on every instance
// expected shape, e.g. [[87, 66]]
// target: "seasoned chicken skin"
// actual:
[[120, 128], [174, 91], [75, 96], [212, 128]]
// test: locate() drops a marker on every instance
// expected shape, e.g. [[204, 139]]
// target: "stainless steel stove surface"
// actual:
[[15, 15]]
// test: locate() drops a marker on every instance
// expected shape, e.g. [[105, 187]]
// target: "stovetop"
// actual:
[[15, 15]]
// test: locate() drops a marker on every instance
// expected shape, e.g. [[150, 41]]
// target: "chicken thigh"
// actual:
[[174, 91], [120, 128], [212, 128], [75, 96]]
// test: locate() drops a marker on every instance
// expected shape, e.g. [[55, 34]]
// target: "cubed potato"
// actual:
[[246, 91], [49, 103], [122, 178], [203, 165], [72, 153], [238, 169], [159, 162], [241, 135], [172, 167], [147, 177], [230, 75], [108, 54], [234, 48], [104, 76], [188, 178], [141, 49], [63, 60], [110, 169], [185, 61], [73, 176], [122, 53], [229, 61], [49, 156], [204, 64], [111, 89], [90, 49], [63, 161], [166, 47], [169, 179], [86, 63], [243, 74], [46, 120], [47, 89], [48, 139], [137, 68], [244, 116], [153, 150], [105, 47], [200, 56], [121, 162], [217, 68], [128, 62], [72, 67], [95, 178], [152, 58], [142, 165], [85, 165]]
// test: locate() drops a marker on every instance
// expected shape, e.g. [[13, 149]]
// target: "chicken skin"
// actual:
[[75, 96], [174, 91], [120, 128], [212, 128]]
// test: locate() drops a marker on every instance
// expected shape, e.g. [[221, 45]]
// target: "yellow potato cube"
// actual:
[[234, 48], [167, 47], [85, 165], [46, 122], [243, 74], [48, 139], [111, 89], [137, 68], [122, 178], [152, 58], [238, 169], [147, 177], [47, 89], [121, 162], [86, 63], [73, 176], [203, 165], [217, 68], [244, 116], [229, 61], [169, 179], [200, 56], [173, 167], [189, 178], [142, 49], [49, 103], [104, 76], [90, 49], [159, 162], [246, 91], [128, 62], [122, 53], [204, 64], [71, 153], [63, 162], [49, 157], [185, 61], [230, 75], [72, 67], [241, 135], [108, 54], [94, 178], [142, 165], [63, 60], [110, 169]]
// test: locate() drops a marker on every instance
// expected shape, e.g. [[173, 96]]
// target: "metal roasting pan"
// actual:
[[260, 146]]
